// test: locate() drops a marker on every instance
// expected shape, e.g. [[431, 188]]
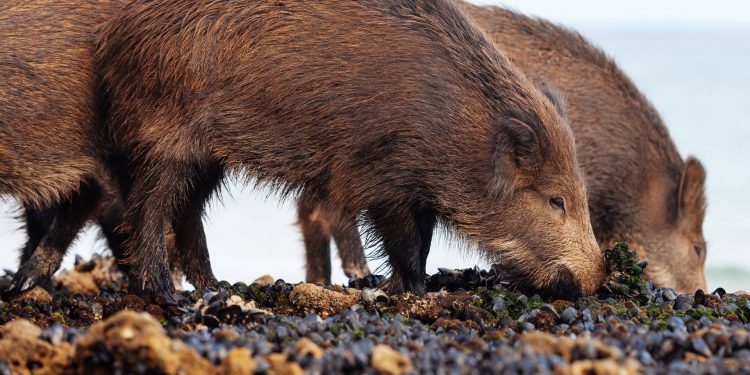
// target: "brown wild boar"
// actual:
[[430, 123], [52, 158], [639, 188]]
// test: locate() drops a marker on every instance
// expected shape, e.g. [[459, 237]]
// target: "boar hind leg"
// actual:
[[316, 234], [159, 194], [406, 239], [349, 245], [109, 217], [318, 224], [190, 237], [63, 224], [37, 223]]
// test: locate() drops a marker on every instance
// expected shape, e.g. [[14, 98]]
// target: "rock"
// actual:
[[374, 295], [498, 304], [22, 350], [669, 294], [280, 365], [700, 347], [683, 302], [312, 298], [236, 300], [603, 367], [135, 342], [550, 309], [567, 348], [305, 347], [36, 293], [239, 361], [386, 360], [569, 315], [88, 278], [675, 323], [265, 280]]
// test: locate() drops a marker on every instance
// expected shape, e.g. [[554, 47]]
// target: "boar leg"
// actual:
[[38, 222], [109, 217], [406, 239], [190, 237], [160, 193], [67, 219], [318, 224], [345, 233], [315, 233]]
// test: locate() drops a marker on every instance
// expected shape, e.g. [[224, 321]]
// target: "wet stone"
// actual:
[[569, 315], [700, 346], [669, 294], [675, 323], [683, 302]]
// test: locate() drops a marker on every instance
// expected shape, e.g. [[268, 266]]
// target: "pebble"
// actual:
[[551, 310], [669, 294], [387, 334], [498, 304], [569, 315], [374, 295], [676, 324], [683, 302], [700, 346]]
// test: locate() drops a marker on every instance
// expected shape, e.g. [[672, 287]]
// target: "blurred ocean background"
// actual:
[[690, 58]]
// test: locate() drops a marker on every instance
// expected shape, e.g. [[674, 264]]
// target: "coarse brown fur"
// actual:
[[48, 138], [402, 110], [49, 142], [640, 190], [55, 159]]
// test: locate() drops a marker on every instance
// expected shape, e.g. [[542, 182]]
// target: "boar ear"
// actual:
[[690, 195], [517, 155], [555, 96]]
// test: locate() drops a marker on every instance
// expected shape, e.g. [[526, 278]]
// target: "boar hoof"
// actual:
[[19, 285], [396, 285], [203, 281], [356, 272], [168, 299], [25, 280]]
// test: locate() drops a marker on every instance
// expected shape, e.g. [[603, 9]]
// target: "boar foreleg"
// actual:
[[406, 238]]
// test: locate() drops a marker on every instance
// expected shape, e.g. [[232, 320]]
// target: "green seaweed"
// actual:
[[625, 274], [59, 317]]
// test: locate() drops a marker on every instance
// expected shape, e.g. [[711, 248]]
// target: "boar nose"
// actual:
[[591, 273], [568, 284], [565, 285]]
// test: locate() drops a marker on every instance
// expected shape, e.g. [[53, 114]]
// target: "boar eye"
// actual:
[[698, 250], [557, 202]]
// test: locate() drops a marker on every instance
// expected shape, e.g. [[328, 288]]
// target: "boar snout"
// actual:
[[590, 273]]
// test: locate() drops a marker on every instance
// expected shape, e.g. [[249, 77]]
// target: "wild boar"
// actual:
[[54, 154], [430, 123], [639, 188]]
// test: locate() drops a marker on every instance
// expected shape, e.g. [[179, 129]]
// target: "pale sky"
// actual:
[[729, 13]]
